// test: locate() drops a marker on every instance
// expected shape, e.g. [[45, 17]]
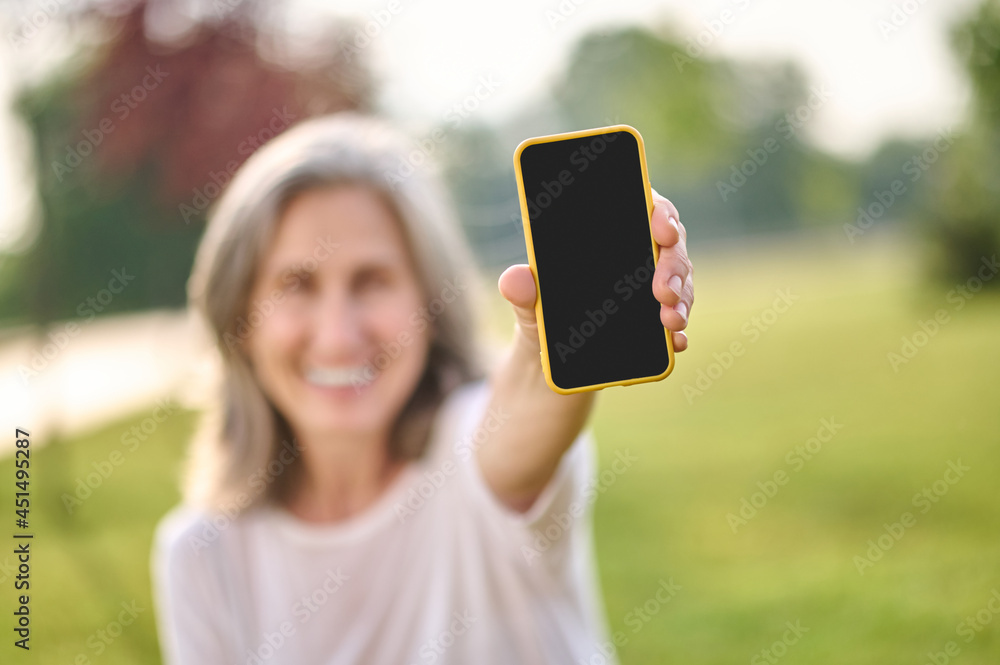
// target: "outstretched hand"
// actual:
[[673, 284]]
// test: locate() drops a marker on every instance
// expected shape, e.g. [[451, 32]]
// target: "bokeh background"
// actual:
[[837, 166]]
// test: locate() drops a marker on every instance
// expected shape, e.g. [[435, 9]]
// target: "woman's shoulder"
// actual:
[[186, 533], [176, 532]]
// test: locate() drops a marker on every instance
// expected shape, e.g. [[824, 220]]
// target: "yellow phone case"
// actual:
[[525, 221]]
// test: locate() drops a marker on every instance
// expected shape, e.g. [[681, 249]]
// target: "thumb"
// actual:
[[517, 286]]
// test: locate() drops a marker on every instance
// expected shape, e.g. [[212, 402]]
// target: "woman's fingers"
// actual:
[[517, 286], [673, 272], [680, 340], [675, 317], [665, 223], [673, 285]]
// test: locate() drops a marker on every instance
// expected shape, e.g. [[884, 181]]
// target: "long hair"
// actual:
[[245, 450]]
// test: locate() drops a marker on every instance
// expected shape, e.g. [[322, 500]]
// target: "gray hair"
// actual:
[[244, 441]]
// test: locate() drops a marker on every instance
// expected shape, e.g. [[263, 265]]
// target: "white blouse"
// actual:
[[436, 570]]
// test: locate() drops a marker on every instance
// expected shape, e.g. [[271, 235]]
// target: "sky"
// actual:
[[885, 66]]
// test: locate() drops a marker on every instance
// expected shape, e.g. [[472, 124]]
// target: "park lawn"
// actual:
[[91, 557], [702, 453], [664, 519]]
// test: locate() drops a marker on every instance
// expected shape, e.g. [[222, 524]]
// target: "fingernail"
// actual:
[[674, 222], [675, 284], [682, 309]]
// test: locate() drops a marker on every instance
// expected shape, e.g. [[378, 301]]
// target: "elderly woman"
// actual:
[[365, 493]]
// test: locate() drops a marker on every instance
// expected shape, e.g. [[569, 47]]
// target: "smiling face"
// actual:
[[344, 347]]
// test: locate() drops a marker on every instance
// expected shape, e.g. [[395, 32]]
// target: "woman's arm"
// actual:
[[520, 457]]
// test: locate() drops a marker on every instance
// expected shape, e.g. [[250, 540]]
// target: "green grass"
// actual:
[[825, 357], [85, 563], [666, 516]]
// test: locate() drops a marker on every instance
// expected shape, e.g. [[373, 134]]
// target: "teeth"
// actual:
[[339, 377]]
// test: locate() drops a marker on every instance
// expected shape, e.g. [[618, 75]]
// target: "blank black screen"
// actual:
[[594, 259]]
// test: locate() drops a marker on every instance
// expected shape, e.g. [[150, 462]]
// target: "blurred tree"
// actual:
[[135, 139], [481, 176], [724, 140], [964, 211]]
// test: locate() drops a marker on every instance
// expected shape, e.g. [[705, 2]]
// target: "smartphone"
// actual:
[[585, 206]]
